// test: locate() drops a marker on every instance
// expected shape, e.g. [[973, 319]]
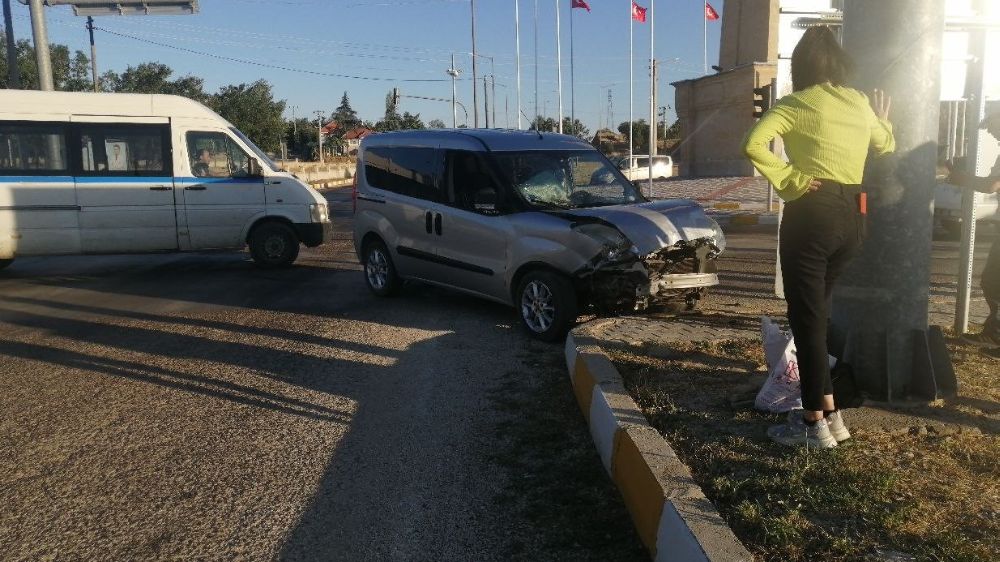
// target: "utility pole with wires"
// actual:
[[454, 72], [319, 133], [93, 54], [475, 99]]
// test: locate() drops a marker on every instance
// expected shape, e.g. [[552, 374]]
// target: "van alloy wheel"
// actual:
[[377, 269], [538, 306]]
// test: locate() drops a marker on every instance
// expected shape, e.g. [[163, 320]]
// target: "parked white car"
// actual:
[[638, 168], [948, 208]]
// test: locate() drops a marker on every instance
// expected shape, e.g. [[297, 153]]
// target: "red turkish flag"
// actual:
[[580, 4], [710, 13], [638, 13]]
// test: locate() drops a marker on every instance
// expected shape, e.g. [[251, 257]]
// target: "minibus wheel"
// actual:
[[546, 303], [274, 244], [5, 263]]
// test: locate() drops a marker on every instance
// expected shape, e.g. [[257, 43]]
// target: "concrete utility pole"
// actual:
[[454, 72], [93, 54], [13, 72], [880, 307], [319, 133], [41, 37]]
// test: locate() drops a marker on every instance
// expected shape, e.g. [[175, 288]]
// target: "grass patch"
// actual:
[[932, 496]]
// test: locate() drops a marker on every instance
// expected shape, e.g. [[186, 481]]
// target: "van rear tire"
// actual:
[[274, 245], [5, 263]]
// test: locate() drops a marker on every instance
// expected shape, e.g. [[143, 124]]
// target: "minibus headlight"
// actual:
[[319, 212]]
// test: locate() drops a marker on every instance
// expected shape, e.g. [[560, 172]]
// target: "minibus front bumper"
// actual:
[[312, 234]]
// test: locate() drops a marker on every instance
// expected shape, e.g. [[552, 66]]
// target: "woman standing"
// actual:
[[827, 130]]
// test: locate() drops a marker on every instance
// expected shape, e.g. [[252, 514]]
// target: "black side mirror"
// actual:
[[485, 201], [254, 169]]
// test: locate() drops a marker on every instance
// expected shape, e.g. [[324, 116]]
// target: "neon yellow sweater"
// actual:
[[827, 131]]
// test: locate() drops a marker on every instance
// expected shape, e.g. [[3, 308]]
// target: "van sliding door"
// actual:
[[125, 187]]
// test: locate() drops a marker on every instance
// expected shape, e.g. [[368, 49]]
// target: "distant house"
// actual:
[[354, 136], [330, 128]]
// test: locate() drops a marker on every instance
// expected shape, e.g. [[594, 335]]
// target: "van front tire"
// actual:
[[274, 245], [546, 304], [380, 272]]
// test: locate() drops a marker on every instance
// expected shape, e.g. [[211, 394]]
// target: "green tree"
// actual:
[[345, 116], [154, 78], [673, 131], [436, 124], [575, 128], [68, 74], [253, 110], [411, 121], [392, 120], [641, 131], [300, 137], [543, 124]]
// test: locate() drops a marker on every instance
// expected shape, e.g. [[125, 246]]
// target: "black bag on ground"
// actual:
[[845, 390]]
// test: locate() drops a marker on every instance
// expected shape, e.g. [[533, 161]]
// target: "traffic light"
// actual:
[[761, 100]]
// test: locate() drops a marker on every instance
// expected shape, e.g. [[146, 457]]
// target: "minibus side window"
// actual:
[[215, 155], [32, 149], [115, 149]]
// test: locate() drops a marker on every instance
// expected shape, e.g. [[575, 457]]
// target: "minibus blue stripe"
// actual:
[[38, 179]]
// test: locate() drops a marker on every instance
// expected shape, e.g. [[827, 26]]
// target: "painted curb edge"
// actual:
[[674, 519]]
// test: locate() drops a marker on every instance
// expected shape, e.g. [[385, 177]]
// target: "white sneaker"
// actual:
[[837, 427], [796, 432]]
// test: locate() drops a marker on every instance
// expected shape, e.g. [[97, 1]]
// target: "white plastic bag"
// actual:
[[781, 391]]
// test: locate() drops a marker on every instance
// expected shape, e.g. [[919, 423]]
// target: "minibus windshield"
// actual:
[[264, 160], [566, 179]]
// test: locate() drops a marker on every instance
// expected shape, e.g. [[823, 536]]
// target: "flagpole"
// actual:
[[652, 93], [704, 19], [572, 75], [630, 84], [535, 117], [559, 67], [517, 48]]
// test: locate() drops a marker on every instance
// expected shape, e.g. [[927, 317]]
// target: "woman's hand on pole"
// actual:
[[881, 102]]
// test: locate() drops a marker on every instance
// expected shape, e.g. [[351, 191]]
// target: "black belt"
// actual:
[[860, 197]]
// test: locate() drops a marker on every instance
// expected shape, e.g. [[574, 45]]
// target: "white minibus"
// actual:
[[89, 173]]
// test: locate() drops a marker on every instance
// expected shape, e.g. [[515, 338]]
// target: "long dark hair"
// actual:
[[818, 58]]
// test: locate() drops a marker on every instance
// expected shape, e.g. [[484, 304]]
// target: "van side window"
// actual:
[[124, 150], [32, 148], [469, 184], [410, 171], [215, 155]]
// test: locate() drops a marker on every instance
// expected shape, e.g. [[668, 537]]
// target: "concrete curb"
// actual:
[[674, 519]]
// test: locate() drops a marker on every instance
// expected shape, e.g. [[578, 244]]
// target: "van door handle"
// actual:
[[160, 188], [427, 221], [195, 188], [437, 224]]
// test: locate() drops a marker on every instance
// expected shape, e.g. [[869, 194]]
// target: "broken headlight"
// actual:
[[718, 238], [614, 244]]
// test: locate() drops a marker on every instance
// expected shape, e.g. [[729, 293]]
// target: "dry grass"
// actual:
[[928, 495]]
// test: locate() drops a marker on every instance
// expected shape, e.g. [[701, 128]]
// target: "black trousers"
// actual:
[[820, 233]]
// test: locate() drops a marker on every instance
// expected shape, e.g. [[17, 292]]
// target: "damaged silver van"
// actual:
[[542, 222]]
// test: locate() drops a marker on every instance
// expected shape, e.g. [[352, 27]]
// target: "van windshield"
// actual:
[[565, 179], [264, 159]]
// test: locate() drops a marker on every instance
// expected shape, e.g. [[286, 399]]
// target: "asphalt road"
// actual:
[[195, 407]]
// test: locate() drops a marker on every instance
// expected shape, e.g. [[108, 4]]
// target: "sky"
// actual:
[[312, 51]]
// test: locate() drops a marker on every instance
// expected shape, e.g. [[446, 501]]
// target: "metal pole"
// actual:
[[517, 54], [881, 306], [535, 117], [41, 36], [454, 92], [493, 83], [93, 54], [770, 186], [572, 76], [475, 98], [976, 110], [13, 72], [704, 20], [486, 101], [631, 80], [559, 66], [652, 93]]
